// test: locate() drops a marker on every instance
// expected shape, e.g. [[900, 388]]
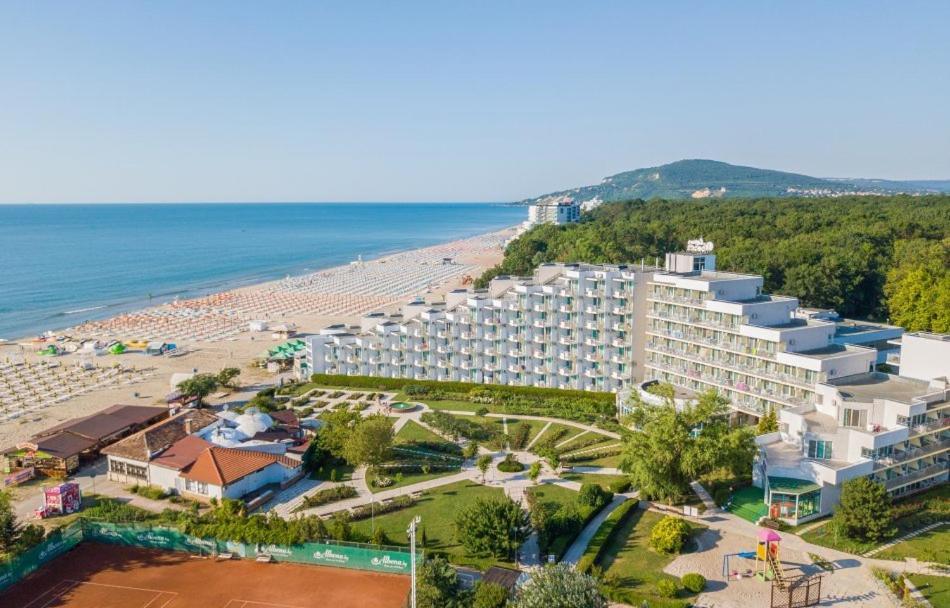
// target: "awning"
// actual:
[[790, 485]]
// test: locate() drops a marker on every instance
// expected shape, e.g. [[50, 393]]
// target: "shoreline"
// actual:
[[50, 390], [215, 287]]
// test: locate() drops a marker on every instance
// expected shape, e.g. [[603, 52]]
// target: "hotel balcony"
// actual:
[[566, 356], [567, 341], [540, 339], [592, 310], [592, 342], [593, 373], [929, 427], [913, 476], [913, 453], [566, 325], [619, 343], [538, 354]]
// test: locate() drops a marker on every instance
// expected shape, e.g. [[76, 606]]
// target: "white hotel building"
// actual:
[[570, 327], [621, 328]]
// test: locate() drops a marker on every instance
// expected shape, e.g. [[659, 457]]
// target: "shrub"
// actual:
[[383, 481], [721, 496], [519, 439], [367, 511], [619, 486], [592, 495], [669, 534], [667, 588], [328, 495], [482, 411], [693, 582], [510, 465]]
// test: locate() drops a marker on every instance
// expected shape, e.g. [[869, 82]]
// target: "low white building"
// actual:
[[134, 460], [228, 473]]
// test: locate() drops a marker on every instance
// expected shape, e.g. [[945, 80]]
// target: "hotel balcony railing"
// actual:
[[721, 344], [929, 427], [618, 342], [731, 327], [594, 373], [567, 341], [731, 385], [912, 476], [516, 353], [538, 354], [912, 454], [566, 356], [592, 342]]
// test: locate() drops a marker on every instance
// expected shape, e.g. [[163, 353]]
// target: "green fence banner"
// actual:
[[395, 560], [57, 543]]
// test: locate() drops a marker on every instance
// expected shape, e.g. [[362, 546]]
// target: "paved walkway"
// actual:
[[579, 546], [704, 496]]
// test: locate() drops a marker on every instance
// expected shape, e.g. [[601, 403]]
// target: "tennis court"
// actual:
[[95, 575]]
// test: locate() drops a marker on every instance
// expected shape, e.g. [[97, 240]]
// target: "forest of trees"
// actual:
[[874, 257]]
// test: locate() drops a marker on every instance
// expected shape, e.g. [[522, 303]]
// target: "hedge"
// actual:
[[604, 536], [397, 384]]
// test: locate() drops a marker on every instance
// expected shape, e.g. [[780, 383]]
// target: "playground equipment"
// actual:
[[768, 567], [763, 563]]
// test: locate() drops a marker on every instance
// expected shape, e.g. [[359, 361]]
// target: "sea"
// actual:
[[63, 264]]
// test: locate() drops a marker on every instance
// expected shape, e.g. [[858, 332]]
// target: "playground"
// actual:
[[94, 575]]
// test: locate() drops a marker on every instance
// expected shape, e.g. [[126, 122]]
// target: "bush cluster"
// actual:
[[329, 495]]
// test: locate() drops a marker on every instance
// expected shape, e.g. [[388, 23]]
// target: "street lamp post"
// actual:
[[412, 557]]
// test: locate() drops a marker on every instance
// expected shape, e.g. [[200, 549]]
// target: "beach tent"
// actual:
[[49, 351], [156, 348], [117, 349]]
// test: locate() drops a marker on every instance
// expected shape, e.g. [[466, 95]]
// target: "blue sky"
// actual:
[[444, 101]]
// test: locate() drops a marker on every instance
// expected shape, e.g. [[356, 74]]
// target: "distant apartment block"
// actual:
[[557, 211], [569, 326]]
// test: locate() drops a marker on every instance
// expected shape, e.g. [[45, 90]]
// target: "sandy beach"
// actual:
[[37, 392]]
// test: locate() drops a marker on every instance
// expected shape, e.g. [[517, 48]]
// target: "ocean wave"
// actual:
[[81, 310]]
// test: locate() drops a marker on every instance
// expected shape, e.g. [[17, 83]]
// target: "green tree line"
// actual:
[[876, 257]]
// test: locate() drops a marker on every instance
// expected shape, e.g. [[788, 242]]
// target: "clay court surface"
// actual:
[[108, 576]]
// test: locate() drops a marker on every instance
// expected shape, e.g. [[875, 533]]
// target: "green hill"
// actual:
[[713, 179]]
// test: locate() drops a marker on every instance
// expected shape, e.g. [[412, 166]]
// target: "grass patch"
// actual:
[[437, 508], [935, 588], [402, 479], [611, 461], [931, 546], [413, 431], [635, 568], [344, 472]]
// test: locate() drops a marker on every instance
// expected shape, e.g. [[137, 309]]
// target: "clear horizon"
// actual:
[[109, 102]]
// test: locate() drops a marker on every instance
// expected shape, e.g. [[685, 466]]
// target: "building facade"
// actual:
[[711, 330], [892, 429], [570, 327]]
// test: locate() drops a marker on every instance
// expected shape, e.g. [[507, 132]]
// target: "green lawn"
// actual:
[[636, 567], [552, 431], [935, 588], [413, 431], [927, 507], [407, 479], [535, 427], [437, 509], [610, 462], [931, 546], [344, 472], [586, 442]]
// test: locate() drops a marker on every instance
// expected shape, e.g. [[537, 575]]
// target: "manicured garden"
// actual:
[[632, 570], [438, 509]]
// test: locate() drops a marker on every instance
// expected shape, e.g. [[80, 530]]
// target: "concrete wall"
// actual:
[[925, 356]]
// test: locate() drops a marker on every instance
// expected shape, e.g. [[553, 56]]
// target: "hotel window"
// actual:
[[855, 418], [819, 449]]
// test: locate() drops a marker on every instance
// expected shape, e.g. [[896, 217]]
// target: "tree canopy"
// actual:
[[829, 252], [864, 511], [670, 448], [495, 526], [559, 586]]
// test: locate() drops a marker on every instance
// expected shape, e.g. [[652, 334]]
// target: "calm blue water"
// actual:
[[62, 264]]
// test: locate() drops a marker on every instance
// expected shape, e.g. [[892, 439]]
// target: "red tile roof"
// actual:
[[222, 466], [182, 453]]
